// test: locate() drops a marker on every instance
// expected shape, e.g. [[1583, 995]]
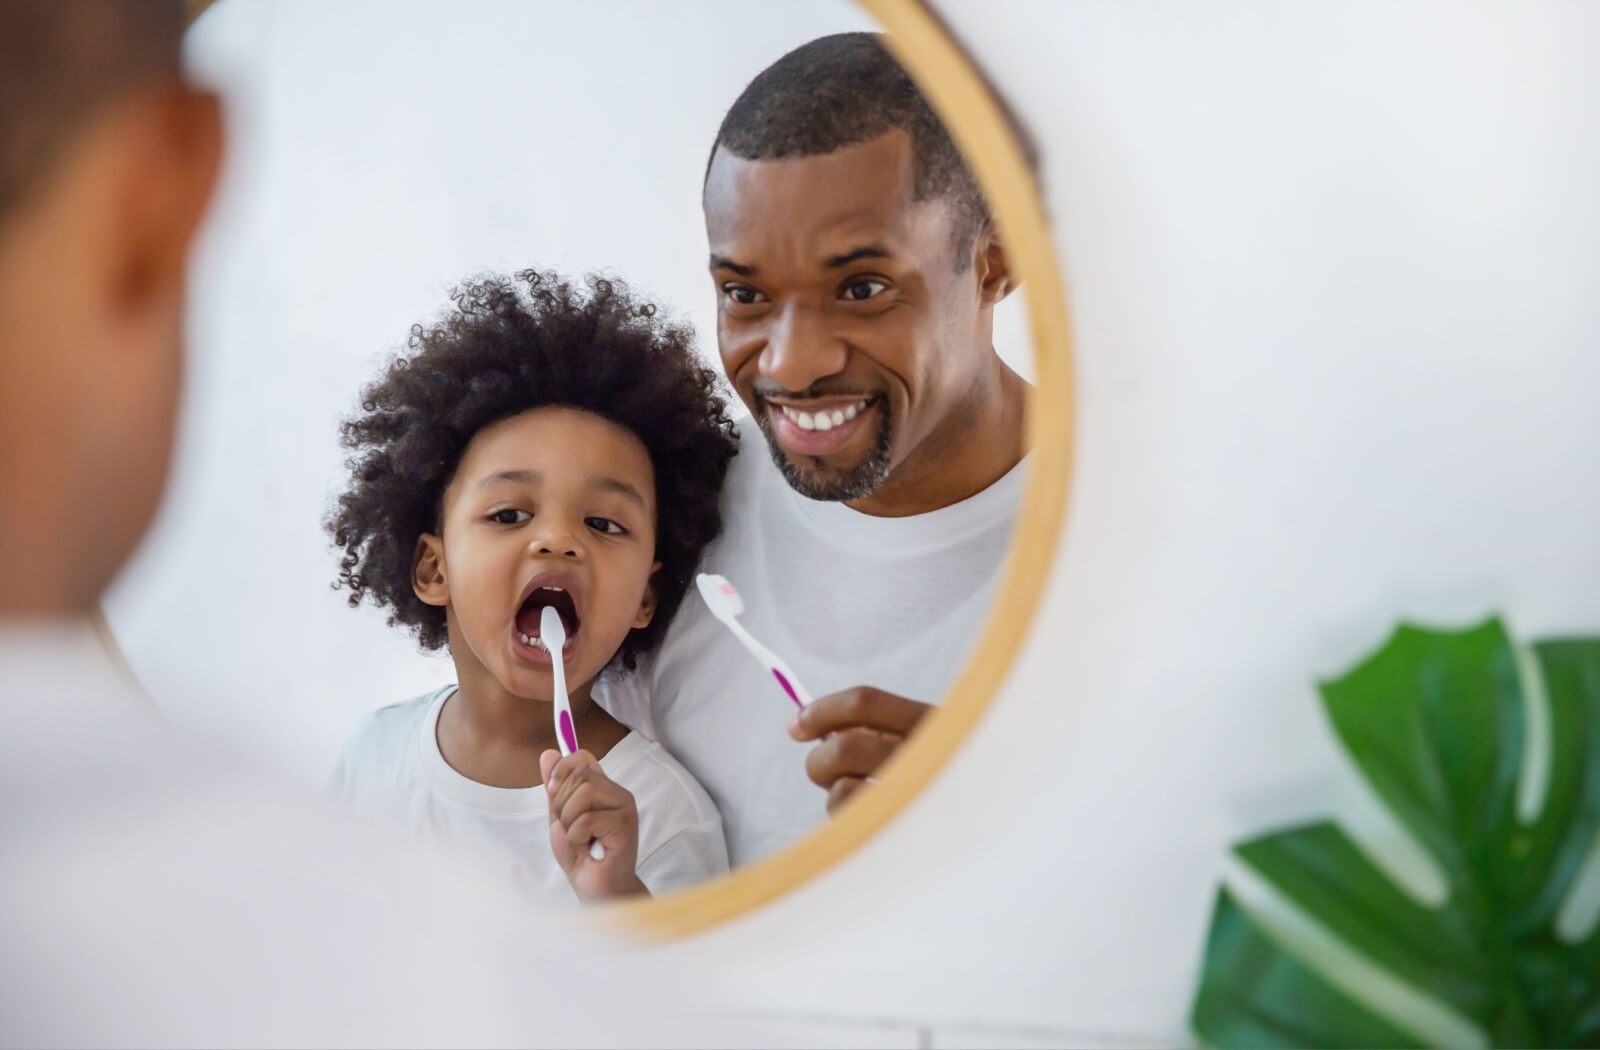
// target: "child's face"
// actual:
[[552, 507]]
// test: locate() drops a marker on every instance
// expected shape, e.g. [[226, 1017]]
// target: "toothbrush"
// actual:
[[553, 633], [726, 605]]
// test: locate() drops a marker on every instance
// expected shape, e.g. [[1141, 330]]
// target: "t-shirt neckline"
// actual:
[[984, 509], [463, 790]]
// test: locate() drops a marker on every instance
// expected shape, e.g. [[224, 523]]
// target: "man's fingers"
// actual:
[[849, 753], [861, 707], [842, 789]]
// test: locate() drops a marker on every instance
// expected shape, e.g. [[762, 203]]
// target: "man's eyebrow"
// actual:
[[868, 251], [722, 262], [528, 477], [621, 488]]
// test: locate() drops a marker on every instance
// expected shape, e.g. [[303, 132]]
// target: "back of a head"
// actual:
[[842, 90], [60, 62], [107, 161]]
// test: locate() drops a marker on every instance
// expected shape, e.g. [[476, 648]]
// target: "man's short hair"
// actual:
[[60, 61], [842, 90]]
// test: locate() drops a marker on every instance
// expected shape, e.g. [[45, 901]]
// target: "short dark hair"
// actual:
[[510, 345], [842, 90], [60, 61]]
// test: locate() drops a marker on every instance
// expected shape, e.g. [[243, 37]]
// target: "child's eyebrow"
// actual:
[[621, 488], [527, 477]]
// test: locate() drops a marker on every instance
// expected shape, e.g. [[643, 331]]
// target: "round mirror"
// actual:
[[451, 330]]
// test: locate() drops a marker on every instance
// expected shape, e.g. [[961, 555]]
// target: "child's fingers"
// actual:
[[547, 764], [583, 800], [580, 833], [610, 826], [595, 794], [560, 845], [578, 779], [567, 768]]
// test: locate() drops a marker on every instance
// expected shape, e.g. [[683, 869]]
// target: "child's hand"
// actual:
[[586, 805]]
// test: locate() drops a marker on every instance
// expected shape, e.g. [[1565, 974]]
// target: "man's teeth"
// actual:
[[824, 420], [537, 643]]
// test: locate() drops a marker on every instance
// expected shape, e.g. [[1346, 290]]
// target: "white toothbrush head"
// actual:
[[552, 632], [719, 595]]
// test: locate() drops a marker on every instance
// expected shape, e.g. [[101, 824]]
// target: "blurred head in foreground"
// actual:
[[107, 161]]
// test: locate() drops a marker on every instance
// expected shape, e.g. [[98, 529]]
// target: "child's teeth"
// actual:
[[838, 418]]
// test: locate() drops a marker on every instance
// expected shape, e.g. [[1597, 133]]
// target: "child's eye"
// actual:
[[605, 525], [742, 294], [860, 291], [509, 516]]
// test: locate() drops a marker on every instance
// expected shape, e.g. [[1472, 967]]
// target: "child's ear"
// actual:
[[427, 570], [647, 604]]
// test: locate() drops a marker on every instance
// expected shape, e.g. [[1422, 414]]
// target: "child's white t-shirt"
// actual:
[[392, 769]]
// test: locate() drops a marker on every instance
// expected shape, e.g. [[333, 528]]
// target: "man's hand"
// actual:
[[859, 729], [585, 805]]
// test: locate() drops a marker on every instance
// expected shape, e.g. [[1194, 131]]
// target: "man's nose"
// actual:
[[801, 349]]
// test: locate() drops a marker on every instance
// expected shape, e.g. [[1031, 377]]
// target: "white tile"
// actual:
[[827, 1033], [986, 1038]]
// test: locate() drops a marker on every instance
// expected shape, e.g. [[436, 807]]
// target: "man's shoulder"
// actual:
[[383, 734], [648, 769]]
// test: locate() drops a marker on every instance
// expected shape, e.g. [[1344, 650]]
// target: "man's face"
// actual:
[[844, 320]]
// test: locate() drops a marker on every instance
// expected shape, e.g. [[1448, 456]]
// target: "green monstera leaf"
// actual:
[[1436, 722]]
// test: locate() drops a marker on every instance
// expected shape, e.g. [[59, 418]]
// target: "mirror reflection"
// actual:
[[648, 384]]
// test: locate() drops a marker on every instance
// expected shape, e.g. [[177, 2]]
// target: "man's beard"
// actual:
[[862, 481]]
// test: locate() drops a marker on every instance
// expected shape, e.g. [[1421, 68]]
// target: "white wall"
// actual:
[[1335, 274]]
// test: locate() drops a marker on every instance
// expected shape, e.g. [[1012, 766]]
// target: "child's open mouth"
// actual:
[[526, 627]]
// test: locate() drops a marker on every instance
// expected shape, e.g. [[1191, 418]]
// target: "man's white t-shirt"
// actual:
[[845, 598], [392, 770], [156, 891]]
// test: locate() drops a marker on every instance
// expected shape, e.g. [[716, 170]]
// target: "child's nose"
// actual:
[[556, 543]]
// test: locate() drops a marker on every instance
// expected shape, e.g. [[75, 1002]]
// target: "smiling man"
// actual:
[[856, 271]]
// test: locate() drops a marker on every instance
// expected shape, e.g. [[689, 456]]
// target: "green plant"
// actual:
[[1436, 722]]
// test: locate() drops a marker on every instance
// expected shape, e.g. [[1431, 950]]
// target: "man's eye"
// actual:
[[864, 289], [742, 294], [509, 517], [605, 525]]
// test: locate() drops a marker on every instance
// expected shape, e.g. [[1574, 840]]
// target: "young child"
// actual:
[[540, 445]]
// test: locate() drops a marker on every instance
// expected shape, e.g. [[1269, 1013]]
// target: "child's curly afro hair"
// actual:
[[507, 346]]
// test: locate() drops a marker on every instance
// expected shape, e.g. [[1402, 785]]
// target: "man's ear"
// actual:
[[993, 266], [427, 570], [647, 604], [178, 147]]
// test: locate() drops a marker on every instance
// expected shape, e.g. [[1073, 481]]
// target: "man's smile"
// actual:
[[820, 426]]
